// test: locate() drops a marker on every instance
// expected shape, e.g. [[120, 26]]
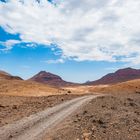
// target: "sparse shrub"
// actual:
[[69, 91]]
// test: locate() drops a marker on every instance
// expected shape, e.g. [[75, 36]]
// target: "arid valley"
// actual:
[[72, 111], [69, 69]]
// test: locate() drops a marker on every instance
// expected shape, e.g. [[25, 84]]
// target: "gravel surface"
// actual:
[[34, 126], [13, 108], [112, 117]]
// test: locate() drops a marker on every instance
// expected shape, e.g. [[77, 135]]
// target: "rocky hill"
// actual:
[[121, 75], [50, 79]]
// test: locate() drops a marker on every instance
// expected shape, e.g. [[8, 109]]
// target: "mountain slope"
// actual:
[[6, 76], [27, 88], [50, 79], [14, 85], [121, 75]]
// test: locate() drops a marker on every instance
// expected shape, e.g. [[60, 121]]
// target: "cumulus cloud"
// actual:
[[95, 30]]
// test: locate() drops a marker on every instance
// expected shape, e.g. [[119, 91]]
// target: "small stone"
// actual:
[[86, 134], [100, 121], [133, 104], [2, 106], [10, 136], [14, 107], [129, 99], [85, 112]]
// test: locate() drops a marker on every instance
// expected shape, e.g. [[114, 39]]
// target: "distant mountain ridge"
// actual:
[[50, 79], [6, 76], [121, 75]]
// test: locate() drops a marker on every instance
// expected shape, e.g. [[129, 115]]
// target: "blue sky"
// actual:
[[27, 61], [74, 46]]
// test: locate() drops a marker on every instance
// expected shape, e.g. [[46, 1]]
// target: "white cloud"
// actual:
[[9, 44], [96, 30]]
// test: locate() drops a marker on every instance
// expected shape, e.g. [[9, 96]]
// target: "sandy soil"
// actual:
[[132, 86], [13, 108], [27, 88], [113, 117]]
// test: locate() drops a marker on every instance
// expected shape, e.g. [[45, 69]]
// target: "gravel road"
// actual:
[[35, 126]]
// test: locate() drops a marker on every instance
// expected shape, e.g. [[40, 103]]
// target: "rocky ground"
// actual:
[[13, 108], [113, 117]]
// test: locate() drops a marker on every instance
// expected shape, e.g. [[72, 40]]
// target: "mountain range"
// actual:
[[121, 75], [48, 78]]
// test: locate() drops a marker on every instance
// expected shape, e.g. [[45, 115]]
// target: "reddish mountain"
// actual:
[[50, 79], [6, 76], [121, 75]]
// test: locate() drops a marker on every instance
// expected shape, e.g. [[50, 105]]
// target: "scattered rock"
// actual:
[[2, 106], [129, 99], [77, 115], [113, 108], [10, 136], [104, 126], [69, 91], [103, 106], [138, 92], [100, 121], [75, 121], [132, 104], [85, 112], [86, 135], [93, 128], [114, 117], [138, 113], [101, 97], [14, 107], [136, 120]]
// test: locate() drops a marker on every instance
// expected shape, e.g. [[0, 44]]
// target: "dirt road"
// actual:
[[112, 117], [35, 126]]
